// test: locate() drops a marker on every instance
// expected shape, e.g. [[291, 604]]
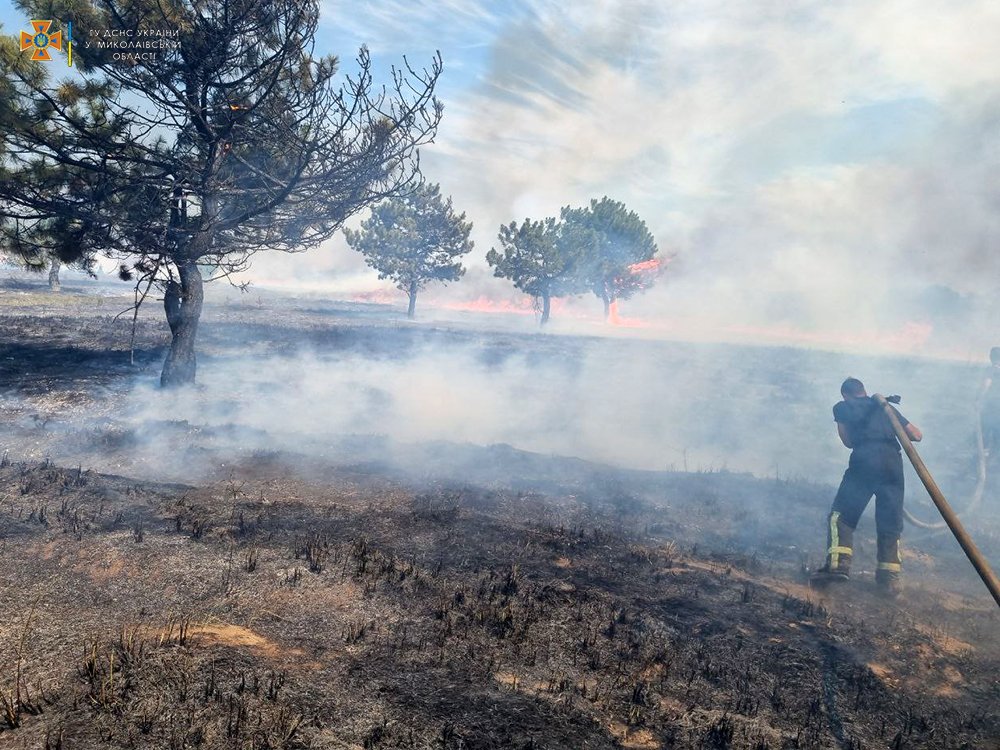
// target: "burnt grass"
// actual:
[[523, 602]]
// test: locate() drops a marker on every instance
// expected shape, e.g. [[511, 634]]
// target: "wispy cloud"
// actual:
[[825, 151]]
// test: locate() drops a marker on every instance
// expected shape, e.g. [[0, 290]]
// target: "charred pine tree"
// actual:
[[235, 139]]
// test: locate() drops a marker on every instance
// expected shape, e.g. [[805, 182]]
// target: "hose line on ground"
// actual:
[[977, 493], [961, 535]]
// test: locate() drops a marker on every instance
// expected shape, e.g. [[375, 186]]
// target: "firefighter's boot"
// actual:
[[840, 538], [889, 570]]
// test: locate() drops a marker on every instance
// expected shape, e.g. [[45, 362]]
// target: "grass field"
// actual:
[[361, 533]]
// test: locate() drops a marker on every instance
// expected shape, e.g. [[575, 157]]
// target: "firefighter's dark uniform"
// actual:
[[875, 468]]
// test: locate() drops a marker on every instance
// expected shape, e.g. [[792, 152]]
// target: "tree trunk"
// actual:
[[546, 307], [607, 305], [54, 285], [413, 300], [182, 305]]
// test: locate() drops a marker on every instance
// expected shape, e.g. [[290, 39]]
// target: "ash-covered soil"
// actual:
[[385, 594]]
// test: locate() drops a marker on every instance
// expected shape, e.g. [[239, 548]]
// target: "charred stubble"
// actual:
[[504, 600]]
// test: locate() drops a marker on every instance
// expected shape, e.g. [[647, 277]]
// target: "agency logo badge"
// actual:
[[44, 39]]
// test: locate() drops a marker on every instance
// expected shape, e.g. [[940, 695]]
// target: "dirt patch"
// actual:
[[883, 673], [635, 739], [945, 642], [507, 679], [102, 566], [950, 682], [236, 636]]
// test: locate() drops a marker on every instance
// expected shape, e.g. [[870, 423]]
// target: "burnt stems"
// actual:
[[464, 617], [182, 304]]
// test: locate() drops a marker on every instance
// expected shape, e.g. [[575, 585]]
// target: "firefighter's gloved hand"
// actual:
[[894, 399]]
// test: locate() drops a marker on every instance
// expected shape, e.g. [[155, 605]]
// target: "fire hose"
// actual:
[[951, 519], [977, 493]]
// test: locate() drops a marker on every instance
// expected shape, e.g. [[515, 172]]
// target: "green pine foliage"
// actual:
[[541, 258], [414, 240], [617, 239], [587, 249], [237, 139]]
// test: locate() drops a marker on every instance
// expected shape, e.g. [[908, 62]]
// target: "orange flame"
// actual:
[[613, 317], [376, 297], [647, 268], [520, 306], [652, 264], [913, 336]]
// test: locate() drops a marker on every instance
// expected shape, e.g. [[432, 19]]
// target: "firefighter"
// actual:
[[875, 468]]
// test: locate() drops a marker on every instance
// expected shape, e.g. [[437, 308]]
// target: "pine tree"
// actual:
[[541, 258], [414, 240], [235, 140], [614, 241]]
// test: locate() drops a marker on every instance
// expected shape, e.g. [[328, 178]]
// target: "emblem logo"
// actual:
[[44, 39]]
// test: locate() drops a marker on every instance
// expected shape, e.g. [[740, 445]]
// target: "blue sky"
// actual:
[[797, 156]]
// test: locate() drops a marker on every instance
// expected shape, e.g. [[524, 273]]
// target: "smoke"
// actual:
[[331, 392], [823, 172], [364, 390]]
